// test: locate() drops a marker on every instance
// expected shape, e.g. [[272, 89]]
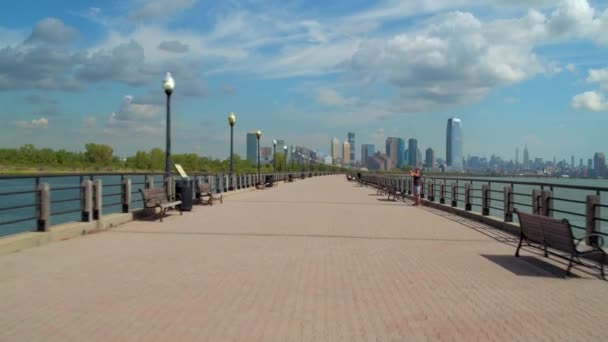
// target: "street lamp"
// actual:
[[168, 86], [258, 134], [231, 122], [285, 153], [274, 155]]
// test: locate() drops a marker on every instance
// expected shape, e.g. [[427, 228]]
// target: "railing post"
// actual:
[[442, 193], [431, 192], [467, 197], [149, 182], [126, 195], [485, 200], [409, 186], [44, 207], [97, 202], [592, 213], [547, 203], [536, 194], [508, 203], [454, 195], [86, 201]]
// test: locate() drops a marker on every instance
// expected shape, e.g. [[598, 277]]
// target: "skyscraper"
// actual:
[[394, 152], [599, 164], [526, 158], [454, 144], [351, 141], [335, 149], [367, 150], [346, 153], [430, 158], [572, 161], [252, 148], [412, 147], [516, 155]]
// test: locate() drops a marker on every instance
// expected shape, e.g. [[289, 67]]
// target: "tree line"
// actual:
[[100, 157]]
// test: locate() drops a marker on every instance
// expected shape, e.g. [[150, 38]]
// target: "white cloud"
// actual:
[[132, 111], [88, 122], [510, 100], [571, 67], [598, 76], [590, 100], [152, 9], [36, 123], [330, 97]]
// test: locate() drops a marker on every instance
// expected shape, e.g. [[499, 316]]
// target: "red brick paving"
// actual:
[[317, 260]]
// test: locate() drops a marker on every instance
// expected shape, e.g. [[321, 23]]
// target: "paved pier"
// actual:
[[320, 259]]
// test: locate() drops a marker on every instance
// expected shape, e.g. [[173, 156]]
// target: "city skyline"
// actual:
[[306, 72]]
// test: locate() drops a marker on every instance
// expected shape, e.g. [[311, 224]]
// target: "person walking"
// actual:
[[417, 184]]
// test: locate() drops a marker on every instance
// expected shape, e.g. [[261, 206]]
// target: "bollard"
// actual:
[[126, 195], [508, 204], [44, 207], [485, 200], [97, 199], [86, 201], [592, 213], [454, 195], [149, 182], [467, 197], [547, 203], [536, 195], [442, 193]]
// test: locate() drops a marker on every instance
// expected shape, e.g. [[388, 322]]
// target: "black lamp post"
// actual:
[[231, 122], [274, 155], [285, 153], [258, 134], [168, 86]]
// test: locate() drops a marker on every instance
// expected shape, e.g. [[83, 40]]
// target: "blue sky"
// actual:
[[516, 72]]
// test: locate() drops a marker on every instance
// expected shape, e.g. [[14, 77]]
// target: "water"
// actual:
[[65, 199]]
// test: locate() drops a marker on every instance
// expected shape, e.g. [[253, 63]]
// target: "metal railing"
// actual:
[[581, 205], [34, 203]]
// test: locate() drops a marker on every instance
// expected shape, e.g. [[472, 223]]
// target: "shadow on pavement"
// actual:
[[527, 266]]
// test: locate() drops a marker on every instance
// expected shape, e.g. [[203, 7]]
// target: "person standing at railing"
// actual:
[[417, 184]]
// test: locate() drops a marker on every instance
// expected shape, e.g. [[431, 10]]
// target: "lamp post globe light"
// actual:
[[258, 134], [274, 155], [168, 86], [285, 153], [231, 122]]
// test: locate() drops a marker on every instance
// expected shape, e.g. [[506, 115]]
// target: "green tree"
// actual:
[[98, 154]]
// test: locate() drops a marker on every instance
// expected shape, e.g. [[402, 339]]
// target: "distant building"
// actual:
[[526, 161], [351, 141], [252, 148], [589, 164], [367, 150], [395, 150], [328, 160], [346, 153], [335, 149], [599, 164], [516, 155], [379, 161], [430, 158], [412, 147], [454, 144]]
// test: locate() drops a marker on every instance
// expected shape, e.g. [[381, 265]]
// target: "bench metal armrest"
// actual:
[[600, 240]]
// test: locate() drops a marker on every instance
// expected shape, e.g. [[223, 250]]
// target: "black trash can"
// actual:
[[184, 188], [269, 180]]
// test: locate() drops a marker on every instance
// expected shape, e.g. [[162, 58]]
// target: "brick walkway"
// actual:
[[317, 260]]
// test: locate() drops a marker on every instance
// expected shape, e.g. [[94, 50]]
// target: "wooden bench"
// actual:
[[547, 232], [158, 198], [206, 196]]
